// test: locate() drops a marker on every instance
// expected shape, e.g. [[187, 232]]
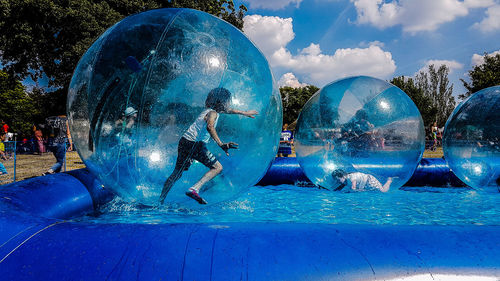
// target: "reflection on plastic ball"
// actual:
[[145, 81], [359, 134], [471, 141]]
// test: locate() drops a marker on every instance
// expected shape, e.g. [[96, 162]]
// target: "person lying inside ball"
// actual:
[[359, 182], [193, 143]]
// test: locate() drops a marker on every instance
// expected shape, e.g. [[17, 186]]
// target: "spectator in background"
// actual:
[[127, 120], [286, 141], [5, 129], [358, 135], [39, 141], [434, 132], [62, 137], [440, 136], [3, 171]]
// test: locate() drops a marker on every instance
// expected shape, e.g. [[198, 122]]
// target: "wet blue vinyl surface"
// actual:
[[287, 203]]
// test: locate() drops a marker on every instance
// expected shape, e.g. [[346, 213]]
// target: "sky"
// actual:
[[319, 41]]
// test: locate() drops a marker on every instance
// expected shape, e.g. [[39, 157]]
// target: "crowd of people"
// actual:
[[360, 134], [52, 136]]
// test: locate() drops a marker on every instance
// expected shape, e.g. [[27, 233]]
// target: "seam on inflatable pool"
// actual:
[[17, 234], [360, 253], [33, 235], [115, 267], [212, 255], [185, 254], [423, 262]]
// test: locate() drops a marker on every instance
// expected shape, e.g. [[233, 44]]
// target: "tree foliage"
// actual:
[[423, 102], [16, 106], [436, 86], [483, 76], [293, 101], [48, 37]]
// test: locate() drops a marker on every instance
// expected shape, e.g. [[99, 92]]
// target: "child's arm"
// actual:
[[249, 113], [210, 118]]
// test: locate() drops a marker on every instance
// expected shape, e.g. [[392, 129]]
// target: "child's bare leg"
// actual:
[[176, 174], [214, 171], [386, 186]]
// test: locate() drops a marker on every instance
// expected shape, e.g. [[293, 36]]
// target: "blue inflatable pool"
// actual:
[[40, 241]]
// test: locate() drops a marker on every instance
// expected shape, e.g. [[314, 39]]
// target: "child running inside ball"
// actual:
[[192, 145]]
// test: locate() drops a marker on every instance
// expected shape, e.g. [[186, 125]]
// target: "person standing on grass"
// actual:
[[5, 129], [286, 141], [434, 131], [39, 140], [3, 171], [62, 137]]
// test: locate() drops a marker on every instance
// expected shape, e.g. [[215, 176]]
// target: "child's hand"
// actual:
[[228, 145], [251, 113]]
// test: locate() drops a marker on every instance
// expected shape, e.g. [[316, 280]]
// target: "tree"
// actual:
[[436, 86], [16, 106], [48, 37], [223, 9], [483, 76], [423, 103], [293, 101], [48, 103]]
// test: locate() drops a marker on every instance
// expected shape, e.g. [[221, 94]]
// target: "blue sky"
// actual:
[[319, 41]]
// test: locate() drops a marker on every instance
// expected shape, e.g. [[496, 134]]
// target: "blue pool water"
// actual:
[[286, 203]]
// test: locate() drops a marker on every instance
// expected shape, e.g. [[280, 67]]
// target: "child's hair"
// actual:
[[337, 174], [361, 114], [217, 99]]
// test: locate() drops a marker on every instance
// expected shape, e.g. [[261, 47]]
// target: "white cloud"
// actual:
[[492, 20], [321, 68], [415, 16], [451, 64], [268, 33], [376, 43], [479, 59], [312, 50], [380, 14], [289, 79], [272, 4], [479, 3], [272, 34]]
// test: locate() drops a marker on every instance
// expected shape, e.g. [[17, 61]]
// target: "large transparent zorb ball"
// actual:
[[471, 141], [142, 84], [358, 134]]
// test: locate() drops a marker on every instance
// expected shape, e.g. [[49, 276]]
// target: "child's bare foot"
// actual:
[[193, 194]]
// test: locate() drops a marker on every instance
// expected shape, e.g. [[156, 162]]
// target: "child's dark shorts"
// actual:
[[188, 151]]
